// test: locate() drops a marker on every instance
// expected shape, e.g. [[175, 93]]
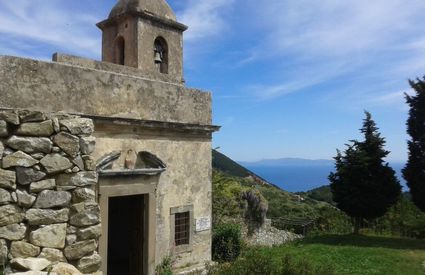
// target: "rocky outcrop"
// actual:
[[267, 235], [48, 206]]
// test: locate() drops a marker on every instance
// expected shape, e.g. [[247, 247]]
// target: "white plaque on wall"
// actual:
[[203, 224]]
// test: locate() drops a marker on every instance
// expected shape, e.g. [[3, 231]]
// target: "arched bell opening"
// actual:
[[161, 55], [120, 51]]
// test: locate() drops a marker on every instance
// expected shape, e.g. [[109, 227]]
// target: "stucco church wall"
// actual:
[[52, 86], [186, 182]]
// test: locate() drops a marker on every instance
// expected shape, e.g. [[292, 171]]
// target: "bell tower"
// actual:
[[144, 34]]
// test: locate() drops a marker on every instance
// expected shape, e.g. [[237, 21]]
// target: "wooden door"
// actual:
[[126, 235]]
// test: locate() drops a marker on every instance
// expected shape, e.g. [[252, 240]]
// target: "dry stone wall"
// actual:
[[48, 208]]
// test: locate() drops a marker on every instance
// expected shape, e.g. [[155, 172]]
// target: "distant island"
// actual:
[[289, 162]]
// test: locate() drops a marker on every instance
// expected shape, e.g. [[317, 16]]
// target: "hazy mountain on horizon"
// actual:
[[299, 162], [289, 162]]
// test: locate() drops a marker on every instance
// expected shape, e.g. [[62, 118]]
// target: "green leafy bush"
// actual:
[[165, 267], [226, 242]]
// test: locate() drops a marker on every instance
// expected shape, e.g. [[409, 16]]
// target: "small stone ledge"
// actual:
[[152, 124], [82, 62], [133, 172]]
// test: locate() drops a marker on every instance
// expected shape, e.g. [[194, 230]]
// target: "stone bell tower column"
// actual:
[[144, 34]]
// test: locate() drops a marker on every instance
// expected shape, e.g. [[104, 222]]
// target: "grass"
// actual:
[[349, 254]]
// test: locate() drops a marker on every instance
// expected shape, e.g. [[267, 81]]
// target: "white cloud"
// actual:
[[331, 27], [205, 18], [377, 41], [48, 23], [392, 98]]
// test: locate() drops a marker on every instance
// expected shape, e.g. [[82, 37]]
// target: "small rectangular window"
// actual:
[[182, 228]]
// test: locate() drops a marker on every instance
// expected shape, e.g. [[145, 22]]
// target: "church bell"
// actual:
[[158, 57]]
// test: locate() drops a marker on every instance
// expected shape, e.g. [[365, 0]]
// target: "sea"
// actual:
[[304, 178]]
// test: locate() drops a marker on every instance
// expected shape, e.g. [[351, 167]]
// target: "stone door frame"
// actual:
[[121, 189]]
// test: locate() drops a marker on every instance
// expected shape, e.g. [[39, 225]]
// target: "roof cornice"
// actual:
[[145, 15]]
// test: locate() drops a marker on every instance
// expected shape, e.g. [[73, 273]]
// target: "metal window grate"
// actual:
[[182, 228]]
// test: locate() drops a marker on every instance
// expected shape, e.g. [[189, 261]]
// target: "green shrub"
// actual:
[[165, 267], [226, 242], [261, 262]]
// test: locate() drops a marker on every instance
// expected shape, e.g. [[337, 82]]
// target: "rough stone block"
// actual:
[[80, 249], [56, 125], [30, 145], [46, 216], [51, 199], [55, 163], [66, 269], [18, 159], [13, 232], [52, 236], [38, 156], [78, 126], [52, 254], [33, 272], [10, 117], [5, 197], [10, 214], [27, 175], [39, 186], [24, 199], [81, 179], [71, 239], [92, 232], [85, 214], [70, 144], [1, 149], [90, 263], [7, 179], [87, 145], [36, 129], [71, 229], [89, 163], [83, 195], [3, 252], [79, 162], [21, 249], [31, 116], [33, 264], [3, 129]]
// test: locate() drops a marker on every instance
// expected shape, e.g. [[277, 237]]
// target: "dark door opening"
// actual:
[[126, 235]]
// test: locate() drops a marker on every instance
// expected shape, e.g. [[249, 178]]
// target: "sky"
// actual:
[[289, 78]]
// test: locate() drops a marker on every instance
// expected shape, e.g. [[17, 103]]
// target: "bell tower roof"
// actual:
[[158, 8]]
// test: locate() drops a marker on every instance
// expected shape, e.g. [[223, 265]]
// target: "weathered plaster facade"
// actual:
[[134, 107]]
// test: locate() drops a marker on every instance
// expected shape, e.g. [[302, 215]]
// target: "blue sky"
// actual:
[[290, 78]]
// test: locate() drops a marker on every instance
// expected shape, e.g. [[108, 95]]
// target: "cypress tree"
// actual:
[[363, 185], [414, 172]]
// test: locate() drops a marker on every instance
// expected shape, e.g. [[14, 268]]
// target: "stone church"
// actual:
[[106, 165]]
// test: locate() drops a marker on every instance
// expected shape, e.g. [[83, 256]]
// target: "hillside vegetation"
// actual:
[[231, 179]]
